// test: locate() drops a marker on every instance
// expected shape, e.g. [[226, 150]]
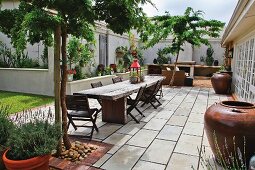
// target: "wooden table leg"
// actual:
[[114, 111]]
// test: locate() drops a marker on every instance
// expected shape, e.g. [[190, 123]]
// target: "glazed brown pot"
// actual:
[[221, 83], [227, 120], [36, 163]]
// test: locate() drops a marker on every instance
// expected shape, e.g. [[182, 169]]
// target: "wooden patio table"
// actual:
[[114, 97]]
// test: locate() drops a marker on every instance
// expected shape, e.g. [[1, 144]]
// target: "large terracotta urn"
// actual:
[[221, 83], [230, 129]]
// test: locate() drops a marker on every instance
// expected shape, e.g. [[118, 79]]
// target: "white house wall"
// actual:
[[244, 67]]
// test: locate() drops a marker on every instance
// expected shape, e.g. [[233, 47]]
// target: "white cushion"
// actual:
[[168, 69], [177, 68]]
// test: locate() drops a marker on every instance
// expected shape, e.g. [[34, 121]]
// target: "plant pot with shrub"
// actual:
[[6, 127], [31, 145]]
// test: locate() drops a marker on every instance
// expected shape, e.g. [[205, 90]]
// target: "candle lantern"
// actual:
[[135, 72]]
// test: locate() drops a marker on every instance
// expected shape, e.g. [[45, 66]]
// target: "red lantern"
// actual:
[[135, 72]]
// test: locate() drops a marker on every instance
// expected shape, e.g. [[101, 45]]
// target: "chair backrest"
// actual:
[[157, 87], [97, 84], [77, 102], [140, 94], [116, 80]]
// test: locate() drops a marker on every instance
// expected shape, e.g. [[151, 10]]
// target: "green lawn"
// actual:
[[22, 101]]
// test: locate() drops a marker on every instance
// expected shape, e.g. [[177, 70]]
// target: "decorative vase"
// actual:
[[230, 126], [216, 63], [221, 83], [36, 163], [69, 77]]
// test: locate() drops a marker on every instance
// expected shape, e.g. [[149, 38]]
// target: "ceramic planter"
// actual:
[[2, 150], [69, 77], [221, 83], [227, 120], [36, 163]]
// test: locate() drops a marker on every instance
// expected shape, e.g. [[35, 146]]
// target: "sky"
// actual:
[[214, 9]]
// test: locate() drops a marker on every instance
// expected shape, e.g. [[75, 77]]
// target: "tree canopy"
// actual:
[[32, 23], [190, 27], [36, 21]]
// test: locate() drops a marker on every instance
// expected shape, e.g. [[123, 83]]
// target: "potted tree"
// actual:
[[31, 145]]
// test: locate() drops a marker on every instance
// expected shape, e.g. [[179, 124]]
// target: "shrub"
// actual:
[[33, 139], [6, 126], [209, 59], [162, 58]]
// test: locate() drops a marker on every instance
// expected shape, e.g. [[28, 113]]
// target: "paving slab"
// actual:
[[170, 133], [165, 114], [106, 131], [195, 129], [143, 165], [159, 151], [155, 124], [177, 120], [188, 145], [131, 128], [143, 138], [182, 162], [117, 139], [124, 159]]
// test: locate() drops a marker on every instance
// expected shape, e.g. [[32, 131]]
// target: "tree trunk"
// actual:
[[63, 88], [172, 79], [57, 43]]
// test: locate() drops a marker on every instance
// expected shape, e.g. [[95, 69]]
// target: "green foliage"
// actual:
[[33, 139], [6, 125], [121, 15], [162, 58], [190, 27], [128, 58], [79, 75], [10, 59], [44, 57], [23, 61], [78, 53], [209, 59], [121, 49], [225, 159]]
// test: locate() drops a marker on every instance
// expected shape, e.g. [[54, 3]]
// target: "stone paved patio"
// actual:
[[167, 138], [170, 137]]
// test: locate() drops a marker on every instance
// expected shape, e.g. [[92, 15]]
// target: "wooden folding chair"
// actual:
[[134, 102], [149, 95], [116, 80], [78, 109], [95, 85]]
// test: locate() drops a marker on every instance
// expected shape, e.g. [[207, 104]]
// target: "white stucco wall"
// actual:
[[217, 55], [151, 53], [114, 41]]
